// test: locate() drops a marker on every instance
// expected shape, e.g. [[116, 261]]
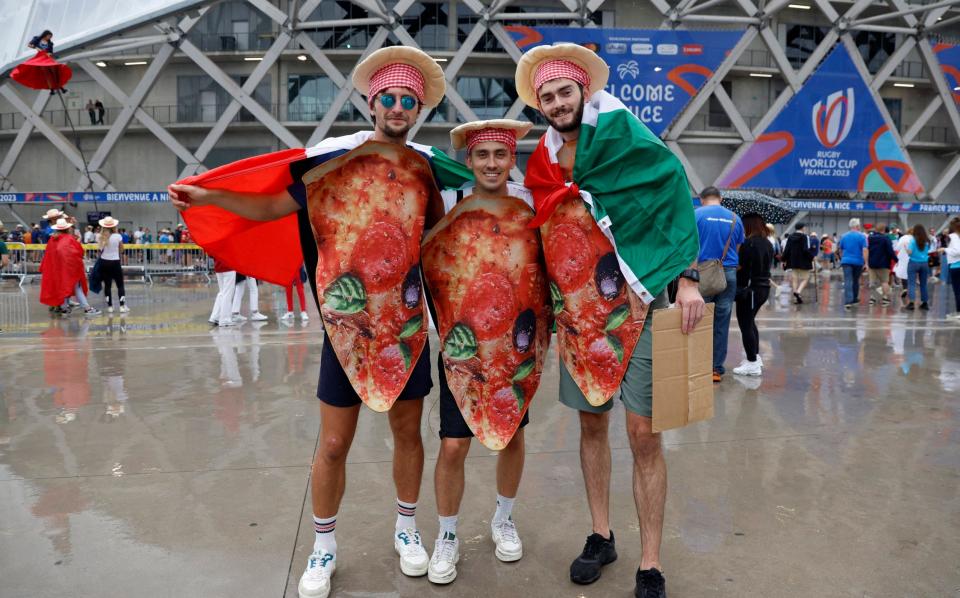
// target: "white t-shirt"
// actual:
[[451, 197], [138, 236], [111, 251], [89, 237], [903, 258]]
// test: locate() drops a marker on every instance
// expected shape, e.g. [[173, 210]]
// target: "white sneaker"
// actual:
[[413, 556], [258, 317], [748, 368], [239, 318], [504, 534], [443, 563], [954, 316], [124, 309], [228, 322], [315, 581], [303, 316], [109, 309], [287, 316]]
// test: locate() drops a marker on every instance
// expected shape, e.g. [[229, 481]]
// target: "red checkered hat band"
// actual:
[[560, 69], [396, 75], [507, 137]]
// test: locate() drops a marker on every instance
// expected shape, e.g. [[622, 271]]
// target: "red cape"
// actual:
[[42, 72], [61, 269], [267, 251]]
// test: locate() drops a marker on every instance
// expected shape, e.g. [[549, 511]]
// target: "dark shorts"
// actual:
[[452, 424], [334, 387]]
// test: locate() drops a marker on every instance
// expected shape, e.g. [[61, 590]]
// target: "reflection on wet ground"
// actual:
[[151, 455]]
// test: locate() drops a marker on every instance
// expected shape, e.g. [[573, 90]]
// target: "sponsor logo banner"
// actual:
[[654, 73], [83, 196], [830, 136]]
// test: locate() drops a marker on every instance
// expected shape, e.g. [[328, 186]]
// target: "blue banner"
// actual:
[[846, 205], [85, 196], [830, 136], [655, 73]]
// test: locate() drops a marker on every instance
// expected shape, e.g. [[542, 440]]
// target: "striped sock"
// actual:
[[406, 515], [326, 534]]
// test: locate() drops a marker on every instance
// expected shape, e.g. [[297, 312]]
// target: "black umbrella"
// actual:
[[773, 210]]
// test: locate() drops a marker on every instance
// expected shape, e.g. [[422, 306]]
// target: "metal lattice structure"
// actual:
[[916, 23]]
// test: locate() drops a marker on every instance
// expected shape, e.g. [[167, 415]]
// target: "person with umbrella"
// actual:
[[753, 288]]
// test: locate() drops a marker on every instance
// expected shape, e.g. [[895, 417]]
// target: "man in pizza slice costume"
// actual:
[[617, 223], [484, 271], [362, 202]]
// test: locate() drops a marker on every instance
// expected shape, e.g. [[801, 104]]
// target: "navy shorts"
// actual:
[[452, 424], [334, 387]]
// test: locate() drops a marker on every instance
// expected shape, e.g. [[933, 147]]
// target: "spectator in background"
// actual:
[[28, 234], [881, 255], [826, 252], [91, 111], [777, 253], [903, 263], [178, 233], [952, 251], [100, 111], [919, 267], [753, 288], [934, 256], [88, 235], [5, 257], [138, 236], [36, 234], [721, 233], [16, 235], [815, 247], [298, 281], [797, 258], [853, 259]]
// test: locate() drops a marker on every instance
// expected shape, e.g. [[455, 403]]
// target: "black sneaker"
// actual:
[[924, 306], [597, 552], [650, 584], [908, 306], [798, 298]]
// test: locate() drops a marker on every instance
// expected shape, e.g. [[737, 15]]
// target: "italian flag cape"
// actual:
[[636, 190], [271, 251]]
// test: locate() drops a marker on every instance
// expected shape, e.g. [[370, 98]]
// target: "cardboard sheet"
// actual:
[[682, 370]]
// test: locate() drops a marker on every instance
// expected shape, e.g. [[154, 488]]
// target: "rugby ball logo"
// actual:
[[833, 118]]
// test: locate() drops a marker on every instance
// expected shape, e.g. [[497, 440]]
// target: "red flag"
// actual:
[[545, 181], [264, 250]]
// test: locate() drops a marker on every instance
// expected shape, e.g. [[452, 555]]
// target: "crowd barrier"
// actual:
[[145, 261]]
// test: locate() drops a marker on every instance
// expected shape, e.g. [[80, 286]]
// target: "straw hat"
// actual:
[[53, 213], [62, 224], [108, 222], [458, 136], [582, 57], [435, 85]]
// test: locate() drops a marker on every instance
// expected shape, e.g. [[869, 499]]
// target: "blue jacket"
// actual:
[[879, 250]]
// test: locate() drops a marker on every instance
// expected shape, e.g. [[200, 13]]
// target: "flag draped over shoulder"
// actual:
[[271, 250], [635, 186]]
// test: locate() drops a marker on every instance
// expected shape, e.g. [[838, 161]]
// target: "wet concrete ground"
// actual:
[[152, 456]]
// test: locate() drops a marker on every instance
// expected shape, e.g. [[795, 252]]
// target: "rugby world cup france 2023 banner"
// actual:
[[830, 136], [949, 57], [654, 73]]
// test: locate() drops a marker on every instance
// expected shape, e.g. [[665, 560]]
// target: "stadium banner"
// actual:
[[948, 56], [831, 136], [83, 196], [850, 205], [654, 73]]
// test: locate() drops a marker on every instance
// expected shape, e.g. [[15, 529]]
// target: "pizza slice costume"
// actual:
[[394, 364], [616, 218], [484, 269]]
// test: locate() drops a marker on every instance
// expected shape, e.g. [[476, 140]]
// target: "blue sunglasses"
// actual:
[[388, 101]]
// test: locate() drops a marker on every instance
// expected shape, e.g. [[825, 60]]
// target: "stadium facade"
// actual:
[[187, 86]]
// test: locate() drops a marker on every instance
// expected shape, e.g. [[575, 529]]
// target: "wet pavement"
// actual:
[[152, 456]]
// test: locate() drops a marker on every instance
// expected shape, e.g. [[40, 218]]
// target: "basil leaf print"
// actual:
[[411, 326], [617, 317], [557, 297], [346, 295], [524, 369], [407, 355], [616, 345], [461, 343], [518, 392]]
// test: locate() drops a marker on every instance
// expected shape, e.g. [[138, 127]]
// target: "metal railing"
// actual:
[[145, 262]]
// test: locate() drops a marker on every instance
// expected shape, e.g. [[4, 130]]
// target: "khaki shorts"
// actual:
[[879, 275], [636, 389]]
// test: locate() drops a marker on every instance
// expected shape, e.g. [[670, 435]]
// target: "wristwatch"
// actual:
[[691, 274]]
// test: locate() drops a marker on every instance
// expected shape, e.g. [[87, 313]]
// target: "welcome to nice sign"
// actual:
[[654, 73], [830, 136]]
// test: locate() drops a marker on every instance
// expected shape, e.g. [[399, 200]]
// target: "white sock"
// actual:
[[406, 515], [326, 534], [504, 508], [448, 525]]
